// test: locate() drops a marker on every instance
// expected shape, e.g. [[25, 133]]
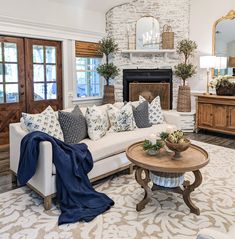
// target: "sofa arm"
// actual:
[[42, 180], [16, 135], [172, 117], [212, 234]]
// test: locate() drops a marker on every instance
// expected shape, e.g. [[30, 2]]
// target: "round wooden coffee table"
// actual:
[[193, 159]]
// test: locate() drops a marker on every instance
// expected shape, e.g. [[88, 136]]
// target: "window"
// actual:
[[88, 82]]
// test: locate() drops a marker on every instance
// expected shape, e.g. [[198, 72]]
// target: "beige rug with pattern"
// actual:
[[22, 215]]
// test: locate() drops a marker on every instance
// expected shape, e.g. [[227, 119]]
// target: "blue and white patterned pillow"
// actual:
[[46, 122], [121, 119], [97, 122], [155, 110]]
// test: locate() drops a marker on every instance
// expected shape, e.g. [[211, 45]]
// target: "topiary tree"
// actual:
[[107, 46], [186, 48]]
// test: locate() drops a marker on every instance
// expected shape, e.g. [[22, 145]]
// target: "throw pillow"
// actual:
[[97, 122], [73, 125], [141, 115], [121, 119], [155, 110], [46, 122]]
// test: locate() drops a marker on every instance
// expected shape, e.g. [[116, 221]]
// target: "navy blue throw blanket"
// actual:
[[77, 198]]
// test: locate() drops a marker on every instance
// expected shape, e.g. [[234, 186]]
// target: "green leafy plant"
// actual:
[[157, 146], [224, 81], [107, 46], [186, 48]]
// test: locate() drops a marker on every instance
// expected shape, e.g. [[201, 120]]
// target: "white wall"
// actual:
[[52, 20], [202, 17], [55, 13]]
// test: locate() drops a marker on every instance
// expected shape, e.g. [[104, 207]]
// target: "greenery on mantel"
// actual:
[[186, 48], [108, 46]]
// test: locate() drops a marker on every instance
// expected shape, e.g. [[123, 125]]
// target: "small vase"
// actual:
[[152, 152]]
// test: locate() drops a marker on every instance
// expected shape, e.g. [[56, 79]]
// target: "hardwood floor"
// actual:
[[206, 137]]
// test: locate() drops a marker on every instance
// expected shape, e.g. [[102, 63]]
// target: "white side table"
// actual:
[[184, 120]]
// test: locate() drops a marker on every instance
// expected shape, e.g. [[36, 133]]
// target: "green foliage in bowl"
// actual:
[[157, 146]]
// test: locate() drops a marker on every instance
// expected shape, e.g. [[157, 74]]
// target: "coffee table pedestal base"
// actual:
[[185, 190]]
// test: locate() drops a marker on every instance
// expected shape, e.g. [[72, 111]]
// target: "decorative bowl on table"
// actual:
[[178, 147], [176, 142]]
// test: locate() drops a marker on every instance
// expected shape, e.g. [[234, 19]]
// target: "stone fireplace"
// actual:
[[121, 25], [148, 83]]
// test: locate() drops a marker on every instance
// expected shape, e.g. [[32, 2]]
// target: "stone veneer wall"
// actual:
[[123, 17]]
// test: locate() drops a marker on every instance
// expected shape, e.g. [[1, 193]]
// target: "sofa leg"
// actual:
[[13, 178], [130, 169], [47, 203]]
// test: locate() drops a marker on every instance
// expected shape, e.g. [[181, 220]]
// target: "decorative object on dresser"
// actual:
[[108, 70], [167, 37], [185, 70], [215, 113], [224, 85], [207, 62], [193, 159]]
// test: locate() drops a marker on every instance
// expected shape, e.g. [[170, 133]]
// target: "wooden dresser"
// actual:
[[215, 113]]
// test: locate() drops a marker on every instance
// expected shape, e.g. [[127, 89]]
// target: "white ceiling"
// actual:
[[93, 5]]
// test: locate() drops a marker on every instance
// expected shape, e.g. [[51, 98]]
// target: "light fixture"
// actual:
[[207, 62]]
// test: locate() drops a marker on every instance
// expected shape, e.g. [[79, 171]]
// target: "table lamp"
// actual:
[[207, 62]]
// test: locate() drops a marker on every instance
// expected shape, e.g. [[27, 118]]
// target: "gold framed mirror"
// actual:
[[223, 45]]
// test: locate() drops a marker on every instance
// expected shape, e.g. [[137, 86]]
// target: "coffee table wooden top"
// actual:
[[192, 159]]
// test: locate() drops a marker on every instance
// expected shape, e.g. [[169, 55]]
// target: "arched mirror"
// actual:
[[147, 33], [224, 45]]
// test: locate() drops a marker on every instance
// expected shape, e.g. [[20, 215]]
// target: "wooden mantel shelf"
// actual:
[[152, 52]]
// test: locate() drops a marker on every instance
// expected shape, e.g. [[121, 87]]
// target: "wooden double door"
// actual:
[[30, 79]]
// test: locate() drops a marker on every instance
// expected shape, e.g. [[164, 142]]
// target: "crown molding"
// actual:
[[29, 28]]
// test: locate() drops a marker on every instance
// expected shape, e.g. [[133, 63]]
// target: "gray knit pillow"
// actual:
[[73, 125], [141, 115]]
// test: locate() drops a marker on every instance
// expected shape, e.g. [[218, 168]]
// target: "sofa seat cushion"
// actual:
[[116, 142]]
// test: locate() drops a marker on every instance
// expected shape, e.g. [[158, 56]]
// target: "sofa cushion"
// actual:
[[155, 110], [46, 122], [117, 142], [97, 122], [141, 115], [121, 119], [73, 125]]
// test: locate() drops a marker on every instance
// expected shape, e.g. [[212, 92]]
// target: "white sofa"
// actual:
[[108, 155]]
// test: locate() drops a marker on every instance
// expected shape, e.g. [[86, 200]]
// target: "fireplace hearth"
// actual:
[[150, 82]]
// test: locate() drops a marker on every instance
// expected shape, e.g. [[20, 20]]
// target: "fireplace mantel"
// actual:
[[152, 52]]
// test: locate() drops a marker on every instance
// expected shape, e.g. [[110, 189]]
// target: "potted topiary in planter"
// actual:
[[107, 46], [185, 70]]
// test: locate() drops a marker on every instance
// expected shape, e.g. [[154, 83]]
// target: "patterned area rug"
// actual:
[[22, 214]]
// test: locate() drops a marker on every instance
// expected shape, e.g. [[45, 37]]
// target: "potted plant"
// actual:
[[107, 46], [224, 85], [186, 49]]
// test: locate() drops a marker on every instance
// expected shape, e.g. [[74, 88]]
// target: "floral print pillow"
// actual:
[[121, 119], [97, 122]]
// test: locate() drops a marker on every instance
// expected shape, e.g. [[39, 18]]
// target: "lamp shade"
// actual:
[[221, 62], [207, 62]]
